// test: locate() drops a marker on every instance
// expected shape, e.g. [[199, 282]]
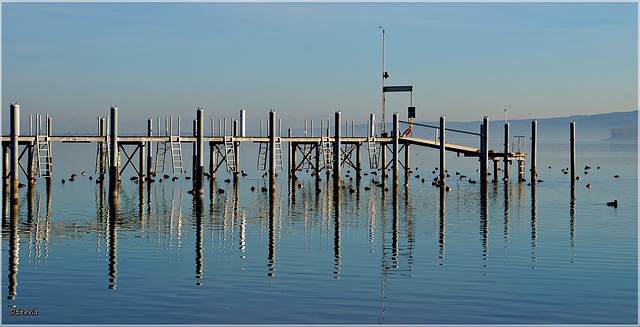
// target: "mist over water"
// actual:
[[507, 253]]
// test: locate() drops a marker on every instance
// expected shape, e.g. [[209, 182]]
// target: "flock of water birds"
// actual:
[[378, 183]]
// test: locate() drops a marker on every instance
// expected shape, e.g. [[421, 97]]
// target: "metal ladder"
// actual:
[[161, 155], [327, 153], [278, 154], [373, 153], [176, 155], [263, 152], [102, 158], [263, 155], [230, 155], [45, 165]]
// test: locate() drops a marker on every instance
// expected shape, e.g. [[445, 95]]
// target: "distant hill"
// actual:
[[588, 127]]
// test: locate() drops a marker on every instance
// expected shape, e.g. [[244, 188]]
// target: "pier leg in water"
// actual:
[[114, 169], [358, 162], [150, 149], [505, 167], [199, 174], [5, 171], [336, 152], [572, 139], [484, 156], [15, 168], [534, 150], [272, 151], [395, 135], [443, 145]]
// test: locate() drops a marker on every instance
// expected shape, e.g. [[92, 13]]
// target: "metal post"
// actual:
[[15, 168], [572, 131], [292, 159], [142, 161], [442, 150], [199, 175], [194, 153], [395, 135], [484, 160], [114, 169], [272, 150], [336, 151], [505, 168], [149, 149], [534, 150]]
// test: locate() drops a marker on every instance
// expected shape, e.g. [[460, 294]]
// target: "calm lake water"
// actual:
[[505, 254]]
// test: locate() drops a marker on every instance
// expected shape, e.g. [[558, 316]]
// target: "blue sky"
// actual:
[[465, 60]]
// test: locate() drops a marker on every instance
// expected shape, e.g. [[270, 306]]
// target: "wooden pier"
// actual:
[[325, 152]]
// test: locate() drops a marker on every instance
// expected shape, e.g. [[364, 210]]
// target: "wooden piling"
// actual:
[[337, 146], [358, 162], [395, 135], [505, 167], [272, 151], [534, 150], [150, 149], [572, 150], [484, 148], [443, 146], [292, 159], [114, 160], [199, 174], [15, 167]]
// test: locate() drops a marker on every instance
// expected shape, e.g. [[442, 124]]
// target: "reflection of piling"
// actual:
[[14, 250], [336, 151], [572, 139], [505, 167], [534, 150], [114, 160], [442, 151], [15, 168]]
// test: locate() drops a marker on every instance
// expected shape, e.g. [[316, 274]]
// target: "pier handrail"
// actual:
[[437, 127]]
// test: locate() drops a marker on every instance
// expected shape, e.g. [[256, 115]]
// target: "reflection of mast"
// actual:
[[372, 209]]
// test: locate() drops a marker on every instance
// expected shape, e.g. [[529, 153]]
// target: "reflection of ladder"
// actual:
[[45, 165], [230, 155], [327, 154], [373, 153], [176, 155]]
